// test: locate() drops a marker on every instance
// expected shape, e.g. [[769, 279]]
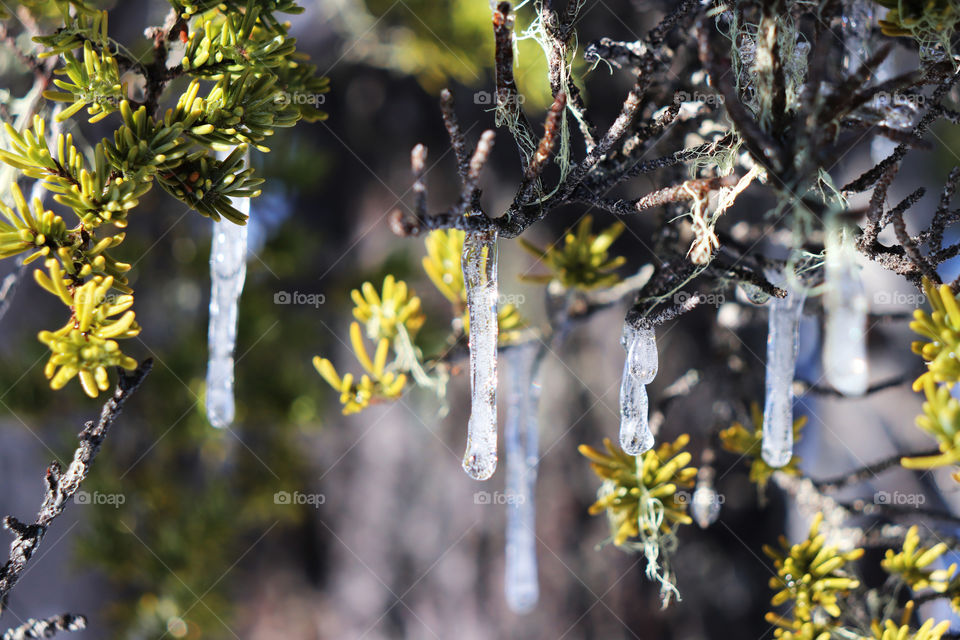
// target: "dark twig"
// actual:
[[157, 74], [418, 163], [46, 628], [62, 485], [866, 180], [896, 510], [941, 218], [762, 146], [892, 383], [867, 472], [689, 190], [640, 167], [457, 140], [674, 311], [858, 127], [550, 132], [917, 258], [681, 11], [470, 195], [508, 101], [893, 258], [875, 210], [778, 86], [742, 272], [616, 53], [628, 112]]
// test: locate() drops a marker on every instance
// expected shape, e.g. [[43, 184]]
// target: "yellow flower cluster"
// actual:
[[583, 261], [385, 316], [629, 481], [941, 412], [812, 576]]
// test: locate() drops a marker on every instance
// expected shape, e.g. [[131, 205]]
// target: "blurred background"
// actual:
[[397, 543]]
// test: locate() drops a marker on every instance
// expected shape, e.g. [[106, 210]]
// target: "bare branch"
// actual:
[[507, 97], [46, 628], [867, 472], [687, 190], [457, 140], [942, 218], [61, 486], [549, 139], [866, 180], [418, 162]]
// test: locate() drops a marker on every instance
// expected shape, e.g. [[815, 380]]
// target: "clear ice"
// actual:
[[228, 268], [705, 505], [891, 110], [479, 261], [639, 369], [782, 341], [845, 325], [857, 21], [521, 587]]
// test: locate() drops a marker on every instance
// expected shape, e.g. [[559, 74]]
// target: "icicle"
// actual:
[[857, 21], [705, 504], [479, 261], [228, 268], [781, 361], [884, 109], [845, 325], [639, 369], [521, 587], [888, 110]]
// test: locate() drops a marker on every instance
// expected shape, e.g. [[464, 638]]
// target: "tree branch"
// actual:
[[61, 486], [868, 472], [47, 627]]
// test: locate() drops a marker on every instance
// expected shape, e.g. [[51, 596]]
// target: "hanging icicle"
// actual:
[[639, 369], [521, 587], [845, 324], [782, 342], [705, 503], [857, 22], [228, 268], [479, 261]]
